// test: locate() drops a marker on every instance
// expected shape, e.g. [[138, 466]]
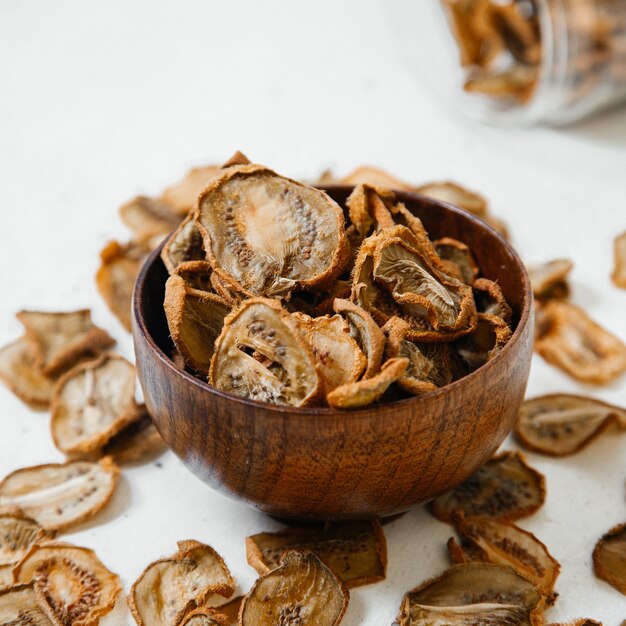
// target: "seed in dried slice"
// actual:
[[368, 175], [474, 594], [182, 197], [506, 487], [302, 590], [355, 551], [453, 193], [571, 340], [562, 424], [271, 234], [367, 390], [490, 299], [71, 584], [195, 319], [184, 244], [619, 268], [58, 496], [261, 354], [491, 334], [205, 616], [17, 534], [148, 218], [460, 255], [368, 208], [549, 279], [19, 607], [503, 543], [517, 83], [19, 371], [162, 593], [609, 558], [91, 403], [196, 274], [63, 339]]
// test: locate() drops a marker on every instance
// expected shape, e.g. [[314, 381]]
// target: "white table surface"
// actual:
[[100, 101]]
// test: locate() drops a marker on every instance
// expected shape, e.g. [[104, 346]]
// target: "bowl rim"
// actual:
[[526, 316]]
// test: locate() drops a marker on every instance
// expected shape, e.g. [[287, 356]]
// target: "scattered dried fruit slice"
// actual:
[[609, 558], [571, 340], [549, 279], [182, 197], [58, 496], [71, 584], [271, 234], [460, 255], [491, 334], [205, 616], [183, 245], [453, 193], [619, 268], [17, 535], [148, 218], [63, 339], [490, 299], [19, 607], [355, 551], [261, 354], [162, 593], [562, 424], [301, 590], [506, 487]]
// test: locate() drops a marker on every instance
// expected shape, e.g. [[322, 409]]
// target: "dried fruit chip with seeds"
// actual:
[[205, 616], [148, 218], [609, 558], [355, 551], [71, 584], [506, 487], [489, 337], [184, 244], [261, 354], [59, 496], [453, 193], [182, 197], [549, 279], [460, 255], [17, 535], [562, 424], [272, 234], [571, 340], [19, 607], [490, 299], [162, 593], [301, 590], [619, 269]]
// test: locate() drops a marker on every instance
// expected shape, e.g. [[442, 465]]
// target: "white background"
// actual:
[[100, 101]]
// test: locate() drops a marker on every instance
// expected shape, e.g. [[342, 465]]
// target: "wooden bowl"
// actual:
[[330, 464]]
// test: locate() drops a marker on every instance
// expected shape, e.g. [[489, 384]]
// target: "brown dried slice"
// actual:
[[230, 610], [196, 274], [491, 334], [262, 355], [549, 279], [473, 594], [63, 339], [71, 584], [506, 487], [302, 590], [17, 535], [460, 255], [609, 558], [453, 193], [226, 289], [22, 376], [58, 496], [517, 31], [582, 621], [355, 551], [182, 197], [272, 234], [195, 319], [92, 403], [184, 244], [490, 299], [517, 83], [19, 607], [148, 218], [503, 543], [368, 175], [368, 209], [205, 616], [619, 268], [571, 340], [562, 424], [162, 593], [368, 390]]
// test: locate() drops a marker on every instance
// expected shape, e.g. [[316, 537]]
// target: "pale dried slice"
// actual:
[[460, 255], [63, 339], [92, 403], [571, 340], [368, 209], [195, 319], [506, 487], [355, 551], [473, 594], [6, 576], [22, 376], [503, 543], [302, 590], [60, 495], [491, 334], [562, 424], [196, 274], [339, 359], [19, 607], [619, 268], [453, 193], [609, 558], [148, 218], [17, 534], [162, 593], [184, 244], [205, 616], [272, 234], [182, 197], [369, 175], [549, 279], [517, 82], [262, 355], [367, 390], [490, 299], [71, 584]]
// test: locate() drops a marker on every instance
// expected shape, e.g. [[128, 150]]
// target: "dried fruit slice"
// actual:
[[184, 244], [504, 543], [460, 255], [148, 218], [609, 558], [473, 594], [196, 274], [226, 289], [195, 319], [58, 496], [484, 342], [271, 234], [619, 268], [22, 376], [71, 584], [182, 197], [205, 616], [17, 535], [517, 83], [355, 551], [506, 487], [63, 339], [517, 32], [6, 576], [301, 590], [368, 175], [453, 193], [19, 607], [490, 299], [162, 593], [583, 621], [368, 390], [368, 209], [261, 354], [549, 279], [562, 424], [231, 610], [91, 403], [571, 340]]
